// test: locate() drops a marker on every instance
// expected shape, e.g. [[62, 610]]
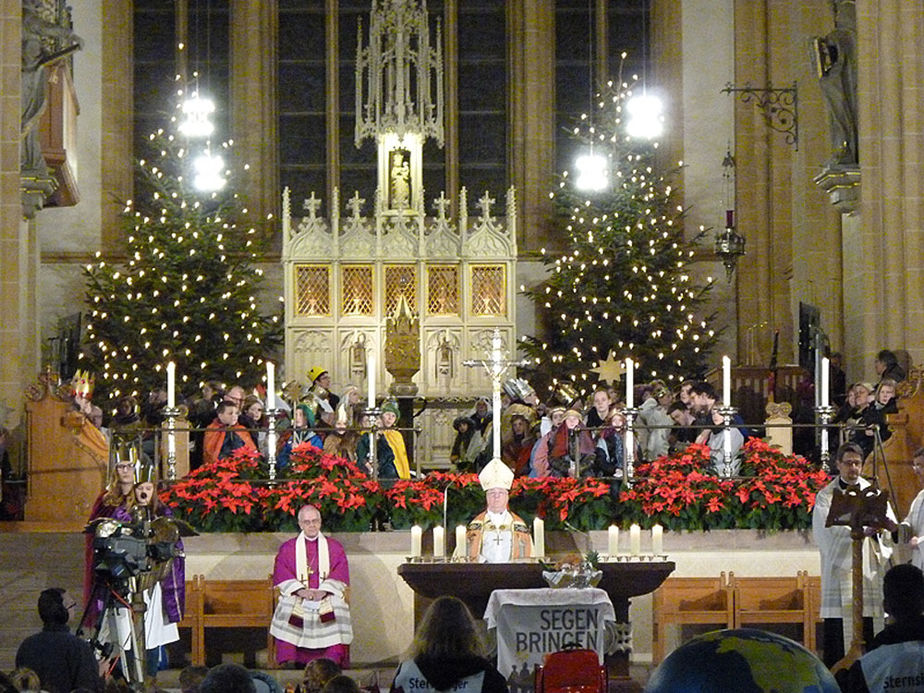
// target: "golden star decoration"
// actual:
[[610, 370]]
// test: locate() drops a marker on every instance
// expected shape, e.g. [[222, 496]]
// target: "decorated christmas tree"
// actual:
[[186, 291], [622, 286]]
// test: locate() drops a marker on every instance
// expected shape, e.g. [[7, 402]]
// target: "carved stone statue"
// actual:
[[836, 62], [37, 34]]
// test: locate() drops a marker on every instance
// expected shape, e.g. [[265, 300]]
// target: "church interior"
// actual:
[[794, 126]]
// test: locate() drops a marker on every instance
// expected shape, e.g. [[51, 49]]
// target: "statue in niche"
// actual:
[[835, 58], [399, 173], [445, 359], [37, 35], [358, 357]]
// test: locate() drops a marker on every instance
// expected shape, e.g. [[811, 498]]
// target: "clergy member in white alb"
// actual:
[[834, 544], [312, 618], [497, 535]]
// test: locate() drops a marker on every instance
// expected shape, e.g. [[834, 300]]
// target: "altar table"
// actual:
[[535, 622]]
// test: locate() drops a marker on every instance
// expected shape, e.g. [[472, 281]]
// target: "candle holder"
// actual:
[[629, 465], [271, 416], [373, 413], [727, 413], [171, 414], [824, 414]]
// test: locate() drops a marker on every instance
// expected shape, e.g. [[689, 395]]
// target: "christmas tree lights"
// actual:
[[622, 287], [187, 289]]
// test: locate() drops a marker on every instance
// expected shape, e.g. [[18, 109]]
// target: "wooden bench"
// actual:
[[681, 601], [734, 602], [227, 604]]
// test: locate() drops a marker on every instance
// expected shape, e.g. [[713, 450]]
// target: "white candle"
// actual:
[[657, 540], [439, 541], [630, 383], [825, 381], [726, 381], [171, 385], [461, 548], [270, 385], [538, 537], [635, 540], [416, 537], [612, 540], [370, 380]]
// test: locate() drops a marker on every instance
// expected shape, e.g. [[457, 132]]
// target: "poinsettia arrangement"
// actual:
[[774, 492]]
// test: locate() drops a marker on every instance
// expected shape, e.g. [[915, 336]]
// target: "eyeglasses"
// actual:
[[123, 467]]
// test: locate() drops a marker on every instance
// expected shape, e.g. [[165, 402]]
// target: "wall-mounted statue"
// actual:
[[835, 57]]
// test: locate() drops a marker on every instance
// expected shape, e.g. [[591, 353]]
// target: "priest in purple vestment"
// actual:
[[312, 617]]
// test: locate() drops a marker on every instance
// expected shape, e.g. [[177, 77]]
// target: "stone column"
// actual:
[[253, 103], [532, 70], [883, 273], [18, 254], [116, 109]]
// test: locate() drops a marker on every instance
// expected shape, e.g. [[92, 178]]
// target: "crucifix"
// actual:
[[496, 367]]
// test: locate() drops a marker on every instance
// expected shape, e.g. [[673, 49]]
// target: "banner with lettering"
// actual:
[[531, 623]]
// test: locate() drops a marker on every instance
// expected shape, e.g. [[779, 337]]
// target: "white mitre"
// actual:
[[496, 474]]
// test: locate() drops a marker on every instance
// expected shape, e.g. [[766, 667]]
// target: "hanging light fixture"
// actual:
[[729, 244], [209, 172], [646, 111], [593, 173], [197, 112]]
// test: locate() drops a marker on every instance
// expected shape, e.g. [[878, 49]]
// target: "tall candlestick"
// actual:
[[612, 540], [416, 539], [461, 548], [539, 537], [726, 381], [825, 381], [370, 380], [171, 385], [630, 383], [635, 540], [270, 385], [496, 423], [657, 540], [439, 541]]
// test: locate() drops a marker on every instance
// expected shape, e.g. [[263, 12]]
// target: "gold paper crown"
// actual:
[[83, 384]]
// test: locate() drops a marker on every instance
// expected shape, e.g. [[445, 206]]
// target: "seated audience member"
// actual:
[[496, 535], [610, 452], [887, 367], [25, 680], [683, 433], [391, 452], [318, 672], [253, 410], [228, 678], [517, 443], [342, 439], [654, 425], [896, 653], [572, 449], [326, 400], [301, 433], [481, 415], [341, 683], [863, 418], [597, 417], [467, 445], [539, 459], [845, 410], [447, 654], [714, 437], [224, 435], [192, 677], [62, 661]]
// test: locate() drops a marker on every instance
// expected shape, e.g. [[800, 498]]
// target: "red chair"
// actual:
[[571, 671]]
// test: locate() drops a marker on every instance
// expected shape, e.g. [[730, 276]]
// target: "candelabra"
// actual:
[[824, 413], [271, 416], [727, 413], [629, 465], [171, 414]]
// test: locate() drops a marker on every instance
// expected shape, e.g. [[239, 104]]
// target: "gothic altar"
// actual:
[[348, 267]]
